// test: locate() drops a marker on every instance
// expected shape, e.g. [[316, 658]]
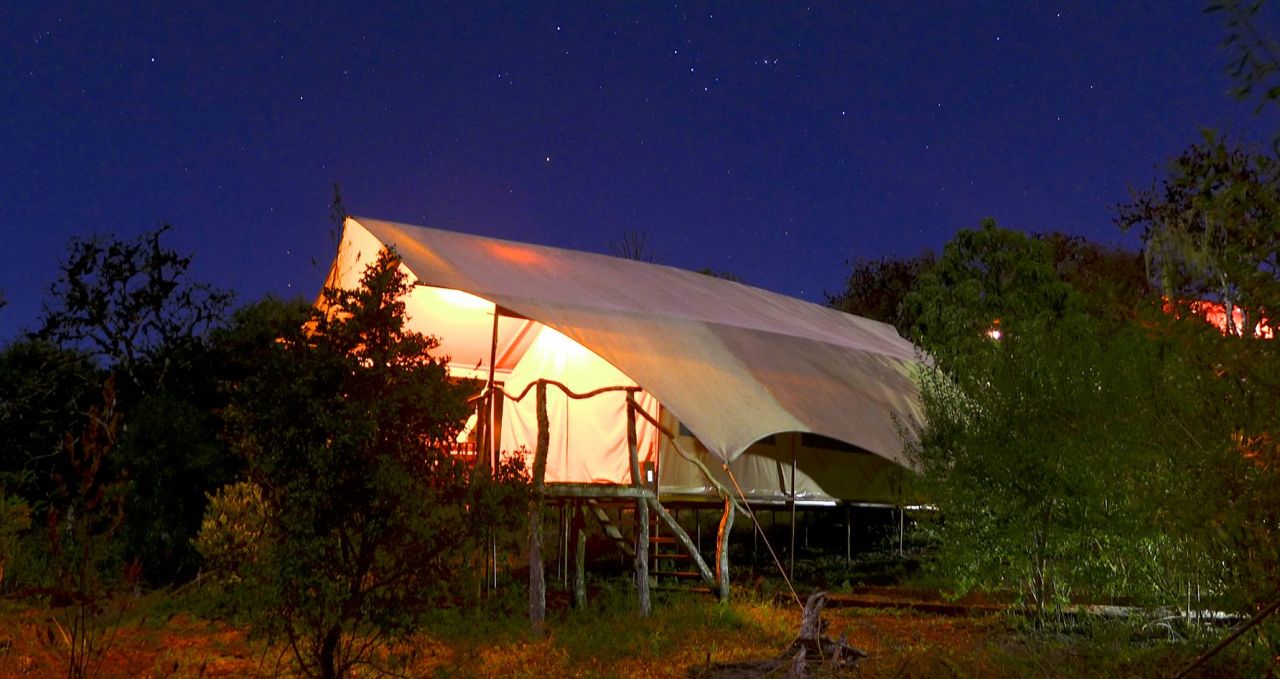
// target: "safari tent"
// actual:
[[700, 389]]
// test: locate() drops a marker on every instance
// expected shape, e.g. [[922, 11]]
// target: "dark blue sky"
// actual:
[[774, 141]]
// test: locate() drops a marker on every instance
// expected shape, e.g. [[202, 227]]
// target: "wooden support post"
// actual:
[[902, 520], [579, 555], [722, 550], [642, 510], [791, 569], [848, 534], [537, 581]]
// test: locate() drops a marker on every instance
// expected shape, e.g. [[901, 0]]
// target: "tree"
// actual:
[[1255, 64], [45, 392], [130, 304], [1047, 447], [876, 289], [635, 246], [344, 419], [81, 519], [987, 279], [1112, 281], [1212, 231]]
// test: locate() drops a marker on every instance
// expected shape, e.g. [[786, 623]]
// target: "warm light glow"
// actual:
[[461, 300], [1216, 315], [467, 429], [995, 333], [560, 344], [514, 253]]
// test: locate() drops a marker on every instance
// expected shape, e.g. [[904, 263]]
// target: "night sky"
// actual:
[[773, 141]]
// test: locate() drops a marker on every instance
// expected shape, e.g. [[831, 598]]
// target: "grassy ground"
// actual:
[[155, 637]]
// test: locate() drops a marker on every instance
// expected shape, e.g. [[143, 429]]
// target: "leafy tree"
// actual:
[[169, 457], [1212, 230], [876, 289], [344, 420], [1255, 64], [45, 392], [82, 518], [1051, 448], [987, 278], [15, 519], [1113, 281], [131, 306]]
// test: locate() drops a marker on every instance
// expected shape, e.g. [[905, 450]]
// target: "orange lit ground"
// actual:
[[610, 642]]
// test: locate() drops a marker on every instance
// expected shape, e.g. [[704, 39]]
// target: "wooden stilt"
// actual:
[[537, 581], [642, 511], [791, 568], [848, 534], [722, 550], [579, 555]]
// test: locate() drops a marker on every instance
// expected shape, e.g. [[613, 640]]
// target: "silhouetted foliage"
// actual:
[[130, 304], [45, 392], [1113, 280], [876, 289], [82, 517], [1255, 64], [635, 246]]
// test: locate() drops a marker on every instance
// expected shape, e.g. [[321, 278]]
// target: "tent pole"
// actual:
[[793, 510], [490, 441], [492, 403], [902, 519], [848, 534]]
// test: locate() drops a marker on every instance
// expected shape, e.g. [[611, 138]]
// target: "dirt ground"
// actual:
[[682, 634]]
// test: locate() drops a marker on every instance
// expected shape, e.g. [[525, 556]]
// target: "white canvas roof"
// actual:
[[733, 363]]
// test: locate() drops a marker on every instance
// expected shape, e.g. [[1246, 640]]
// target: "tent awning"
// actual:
[[734, 363]]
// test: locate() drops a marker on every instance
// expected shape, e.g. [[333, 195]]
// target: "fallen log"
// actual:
[[811, 654]]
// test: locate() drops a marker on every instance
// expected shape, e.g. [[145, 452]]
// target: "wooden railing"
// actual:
[[644, 497]]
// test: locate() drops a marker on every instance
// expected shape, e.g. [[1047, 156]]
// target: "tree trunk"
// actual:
[[327, 659], [722, 550], [642, 511]]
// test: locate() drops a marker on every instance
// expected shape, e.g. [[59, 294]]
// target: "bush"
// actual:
[[15, 519], [232, 532]]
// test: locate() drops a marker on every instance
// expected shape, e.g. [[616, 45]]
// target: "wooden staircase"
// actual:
[[615, 529], [670, 561]]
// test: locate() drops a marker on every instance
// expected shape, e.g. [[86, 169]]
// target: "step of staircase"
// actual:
[[679, 575], [611, 528]]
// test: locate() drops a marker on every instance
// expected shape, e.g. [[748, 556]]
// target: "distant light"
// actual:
[[995, 333]]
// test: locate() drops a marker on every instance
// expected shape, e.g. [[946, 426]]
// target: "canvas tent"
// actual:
[[751, 379]]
